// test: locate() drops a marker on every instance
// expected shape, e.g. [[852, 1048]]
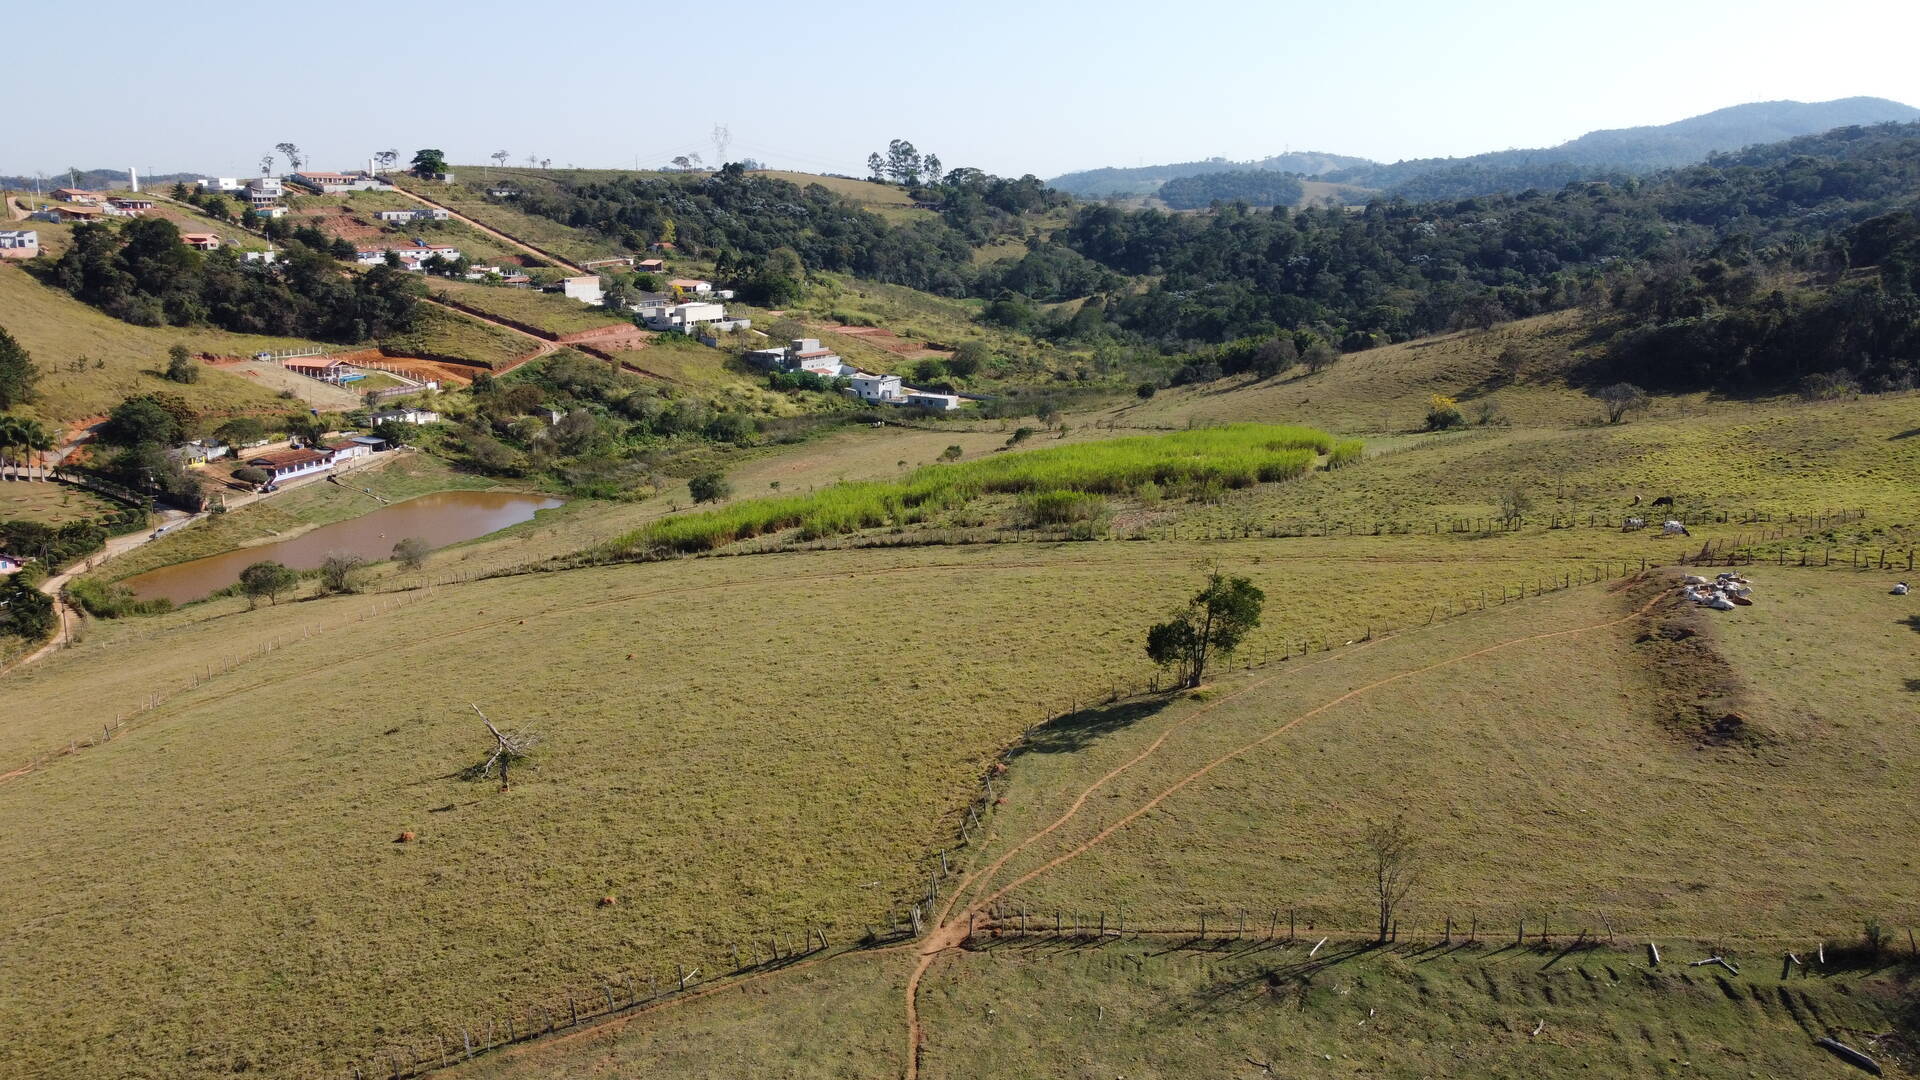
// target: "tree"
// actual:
[[951, 453], [1443, 412], [292, 154], [933, 169], [268, 579], [1391, 852], [877, 165], [240, 431], [411, 552], [1145, 390], [969, 358], [341, 572], [1515, 502], [144, 419], [428, 164], [1622, 398], [1212, 625], [499, 157], [1319, 356], [17, 373], [385, 159], [709, 487], [180, 365], [683, 163], [903, 162], [266, 164], [20, 438], [248, 474], [25, 611], [1274, 357]]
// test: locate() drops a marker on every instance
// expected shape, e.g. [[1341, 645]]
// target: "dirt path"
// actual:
[[952, 932], [495, 233]]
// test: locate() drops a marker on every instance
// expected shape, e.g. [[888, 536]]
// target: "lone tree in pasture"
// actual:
[[1212, 625], [341, 572], [508, 747], [411, 552], [180, 365], [1622, 398], [428, 164], [1392, 852], [499, 158], [709, 487], [268, 579]]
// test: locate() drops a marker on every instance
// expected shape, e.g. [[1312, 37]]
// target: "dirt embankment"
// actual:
[[1699, 695]]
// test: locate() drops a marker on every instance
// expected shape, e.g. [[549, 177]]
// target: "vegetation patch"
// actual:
[[1236, 456]]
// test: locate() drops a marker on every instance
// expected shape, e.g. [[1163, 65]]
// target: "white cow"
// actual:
[[1674, 528]]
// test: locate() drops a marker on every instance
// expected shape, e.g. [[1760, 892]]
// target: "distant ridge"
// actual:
[[1615, 150]]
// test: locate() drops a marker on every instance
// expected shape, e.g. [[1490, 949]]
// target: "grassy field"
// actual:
[[49, 504], [551, 312], [440, 332], [120, 359], [468, 197]]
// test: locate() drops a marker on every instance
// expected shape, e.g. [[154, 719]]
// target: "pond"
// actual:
[[446, 517]]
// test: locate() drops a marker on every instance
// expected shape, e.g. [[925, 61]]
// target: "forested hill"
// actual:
[[91, 180], [1596, 154], [1147, 179]]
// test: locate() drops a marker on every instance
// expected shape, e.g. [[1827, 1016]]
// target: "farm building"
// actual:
[[128, 207], [201, 241], [226, 185], [585, 289], [664, 246], [19, 243], [11, 563], [333, 183], [928, 399], [347, 449], [77, 195], [423, 213], [806, 354], [69, 212], [407, 416], [319, 367], [651, 266], [287, 464]]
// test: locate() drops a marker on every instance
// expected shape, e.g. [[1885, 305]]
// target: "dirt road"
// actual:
[[495, 233]]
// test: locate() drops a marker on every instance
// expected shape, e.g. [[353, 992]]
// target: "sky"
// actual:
[[1010, 86]]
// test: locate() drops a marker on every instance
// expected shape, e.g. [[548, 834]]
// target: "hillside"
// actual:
[[1597, 153]]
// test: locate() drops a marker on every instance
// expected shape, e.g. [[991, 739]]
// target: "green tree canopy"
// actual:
[[17, 373], [1211, 626]]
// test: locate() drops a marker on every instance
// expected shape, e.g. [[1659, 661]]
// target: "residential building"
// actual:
[[877, 389], [287, 464], [271, 211], [619, 260], [928, 399], [10, 564], [347, 449], [805, 354], [412, 253], [319, 367], [78, 195], [226, 185], [69, 212], [373, 443], [333, 183], [585, 289], [201, 451], [651, 266], [691, 286], [684, 318], [128, 207], [265, 258], [19, 243], [262, 190], [771, 359], [422, 213], [407, 416], [201, 241], [663, 246]]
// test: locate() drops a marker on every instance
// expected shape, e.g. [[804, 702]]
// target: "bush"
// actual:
[[341, 573], [1020, 435], [1443, 413], [1060, 507], [268, 579], [180, 365], [709, 487], [105, 601], [1145, 390], [247, 474], [411, 552], [951, 453]]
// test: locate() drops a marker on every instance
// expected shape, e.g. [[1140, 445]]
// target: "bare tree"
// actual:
[[508, 747], [1622, 398], [1393, 853], [533, 160]]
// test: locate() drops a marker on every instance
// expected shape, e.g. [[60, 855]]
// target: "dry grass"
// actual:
[[440, 332], [122, 359], [551, 312]]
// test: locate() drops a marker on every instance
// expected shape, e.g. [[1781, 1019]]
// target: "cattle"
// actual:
[[1674, 528], [1635, 502], [404, 838], [1634, 523], [1900, 589], [1664, 500]]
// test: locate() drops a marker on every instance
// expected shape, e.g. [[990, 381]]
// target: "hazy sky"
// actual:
[[1011, 86]]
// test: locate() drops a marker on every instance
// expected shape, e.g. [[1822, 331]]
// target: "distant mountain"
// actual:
[[1595, 154], [1146, 180], [92, 180]]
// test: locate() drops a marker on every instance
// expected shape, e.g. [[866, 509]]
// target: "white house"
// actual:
[[226, 185], [128, 207], [691, 286], [19, 243], [262, 190], [585, 289], [407, 416], [928, 399], [878, 389], [412, 254], [201, 241], [424, 213], [348, 449], [805, 354], [9, 564], [684, 318], [271, 211], [264, 258]]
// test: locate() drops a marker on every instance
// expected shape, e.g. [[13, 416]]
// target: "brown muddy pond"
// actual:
[[443, 518]]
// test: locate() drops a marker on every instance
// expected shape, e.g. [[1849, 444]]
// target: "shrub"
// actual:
[[1060, 507], [180, 365], [1443, 413], [1020, 435], [341, 572], [109, 601], [268, 579], [247, 474], [709, 487], [411, 552], [1515, 503], [951, 453]]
